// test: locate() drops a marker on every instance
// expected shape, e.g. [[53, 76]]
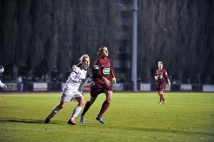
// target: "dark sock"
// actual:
[[104, 108], [87, 106], [163, 98]]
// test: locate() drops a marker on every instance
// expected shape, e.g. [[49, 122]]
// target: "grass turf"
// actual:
[[131, 116]]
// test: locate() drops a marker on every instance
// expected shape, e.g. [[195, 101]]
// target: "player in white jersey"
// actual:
[[72, 90], [1, 71], [2, 84]]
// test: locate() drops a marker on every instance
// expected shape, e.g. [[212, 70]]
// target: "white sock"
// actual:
[[76, 112], [54, 112]]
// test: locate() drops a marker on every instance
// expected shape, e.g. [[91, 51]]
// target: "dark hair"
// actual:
[[101, 49]]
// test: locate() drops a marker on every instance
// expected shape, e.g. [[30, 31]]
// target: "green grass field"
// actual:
[[136, 117]]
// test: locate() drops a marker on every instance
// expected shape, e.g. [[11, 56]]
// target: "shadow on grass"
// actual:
[[163, 130], [23, 121], [29, 121]]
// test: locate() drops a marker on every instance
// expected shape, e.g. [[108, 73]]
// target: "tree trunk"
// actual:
[[180, 75], [15, 72], [199, 78]]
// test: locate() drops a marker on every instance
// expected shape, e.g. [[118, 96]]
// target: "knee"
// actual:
[[109, 100], [81, 104]]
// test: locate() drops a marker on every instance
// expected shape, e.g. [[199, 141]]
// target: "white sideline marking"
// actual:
[[8, 128]]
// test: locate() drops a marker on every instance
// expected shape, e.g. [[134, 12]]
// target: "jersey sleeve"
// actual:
[[111, 70], [156, 73], [86, 80], [89, 76], [97, 69], [73, 74], [166, 75]]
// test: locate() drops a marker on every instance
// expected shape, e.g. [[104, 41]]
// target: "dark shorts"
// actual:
[[99, 88], [161, 86]]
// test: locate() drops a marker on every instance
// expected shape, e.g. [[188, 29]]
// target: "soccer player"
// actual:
[[1, 71], [161, 76], [103, 76], [72, 90], [2, 84]]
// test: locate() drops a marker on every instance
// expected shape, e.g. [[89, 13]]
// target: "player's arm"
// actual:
[[108, 82], [156, 76], [96, 71], [90, 77], [167, 78], [168, 82], [113, 76], [5, 86], [2, 85], [72, 76]]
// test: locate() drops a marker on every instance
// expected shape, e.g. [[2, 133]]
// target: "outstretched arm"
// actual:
[[2, 85]]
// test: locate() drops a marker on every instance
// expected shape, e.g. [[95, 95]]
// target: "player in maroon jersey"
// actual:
[[103, 77], [161, 76]]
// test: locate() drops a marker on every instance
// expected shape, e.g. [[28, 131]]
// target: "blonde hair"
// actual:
[[81, 59], [160, 62]]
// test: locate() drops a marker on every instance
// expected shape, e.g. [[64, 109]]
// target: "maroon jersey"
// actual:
[[101, 68], [162, 76]]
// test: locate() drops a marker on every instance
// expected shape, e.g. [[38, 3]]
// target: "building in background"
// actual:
[[122, 61]]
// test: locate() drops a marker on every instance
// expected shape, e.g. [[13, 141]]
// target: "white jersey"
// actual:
[[75, 82], [1, 84], [77, 79]]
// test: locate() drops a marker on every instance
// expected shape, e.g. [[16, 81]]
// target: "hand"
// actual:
[[108, 83], [92, 83], [76, 81], [114, 80], [156, 78], [5, 86], [169, 85]]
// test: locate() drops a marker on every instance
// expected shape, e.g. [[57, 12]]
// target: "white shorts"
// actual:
[[69, 95]]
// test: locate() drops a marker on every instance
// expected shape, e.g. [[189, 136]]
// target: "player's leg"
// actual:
[[105, 105], [162, 87], [77, 110], [65, 97], [158, 91], [55, 111], [160, 95], [88, 104], [86, 108], [95, 91]]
